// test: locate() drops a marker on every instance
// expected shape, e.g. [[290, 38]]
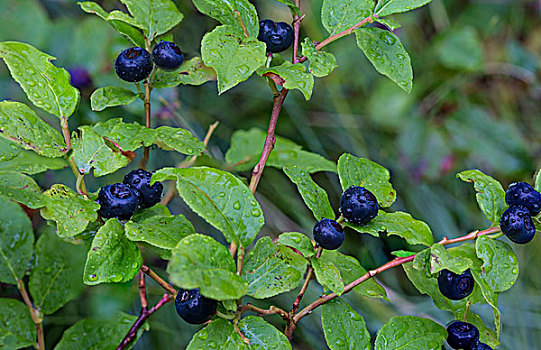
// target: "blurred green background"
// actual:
[[475, 104]]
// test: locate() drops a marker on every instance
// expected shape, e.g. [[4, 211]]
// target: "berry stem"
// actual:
[[35, 314], [393, 263], [80, 183], [142, 290], [146, 85], [145, 314], [296, 29], [346, 32], [158, 279]]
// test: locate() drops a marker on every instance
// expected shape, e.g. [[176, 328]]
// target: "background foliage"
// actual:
[[475, 103]]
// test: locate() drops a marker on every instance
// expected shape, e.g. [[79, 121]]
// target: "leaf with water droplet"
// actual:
[[71, 211], [410, 332], [500, 264], [233, 56], [202, 188], [20, 188], [21, 125], [220, 333], [388, 7], [321, 63], [490, 195], [313, 195], [91, 333], [180, 140], [328, 275], [386, 53], [298, 241], [294, 76], [119, 258], [199, 261], [343, 327], [191, 72], [338, 15], [162, 231], [263, 335], [51, 288], [111, 96], [18, 331], [225, 13], [154, 17], [16, 241], [28, 64], [272, 269]]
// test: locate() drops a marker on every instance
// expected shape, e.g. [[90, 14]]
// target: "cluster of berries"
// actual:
[[122, 200], [135, 64], [516, 222], [358, 205], [464, 335], [278, 36]]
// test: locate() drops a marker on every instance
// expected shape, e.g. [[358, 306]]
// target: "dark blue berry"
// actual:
[[118, 200], [462, 335], [193, 307], [328, 234], [455, 287], [517, 224], [79, 78], [133, 64], [524, 194], [167, 56], [358, 205], [278, 36], [481, 346], [140, 180]]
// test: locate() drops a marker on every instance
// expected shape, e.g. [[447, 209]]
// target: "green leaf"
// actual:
[[220, 198], [16, 242], [400, 224], [111, 96], [99, 334], [490, 194], [500, 264], [162, 231], [537, 180], [410, 333], [45, 85], [291, 4], [20, 188], [156, 17], [180, 140], [328, 275], [298, 241], [147, 213], [271, 269], [8, 150], [71, 211], [314, 196], [389, 23], [350, 270], [192, 72], [338, 15], [56, 278], [17, 330], [18, 123], [321, 63], [441, 259], [263, 335], [402, 253], [388, 7], [132, 34], [343, 327], [91, 151], [355, 171], [218, 335], [461, 49], [292, 76], [491, 298], [30, 163], [128, 137], [112, 258], [233, 56], [386, 53], [199, 261], [227, 12], [246, 146]]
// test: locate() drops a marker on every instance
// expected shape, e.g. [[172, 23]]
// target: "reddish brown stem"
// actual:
[[334, 37], [142, 290], [396, 262], [269, 140], [296, 28], [36, 316], [145, 314], [158, 280], [309, 275], [273, 310]]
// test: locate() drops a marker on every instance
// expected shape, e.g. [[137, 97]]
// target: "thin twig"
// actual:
[[145, 314], [309, 275], [35, 314], [240, 260], [158, 280], [396, 262], [296, 29], [146, 85], [269, 140], [142, 290], [334, 37], [273, 310]]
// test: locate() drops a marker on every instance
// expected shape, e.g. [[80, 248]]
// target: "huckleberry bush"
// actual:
[[102, 235]]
